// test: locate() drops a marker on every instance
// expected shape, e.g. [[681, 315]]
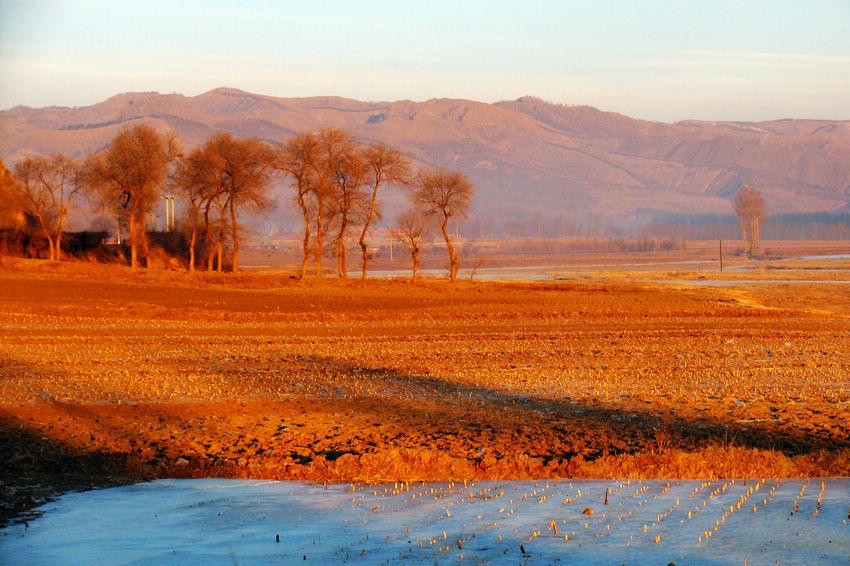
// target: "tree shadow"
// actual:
[[35, 469], [406, 410], [667, 431]]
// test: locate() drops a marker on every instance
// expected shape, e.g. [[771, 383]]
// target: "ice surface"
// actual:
[[237, 521]]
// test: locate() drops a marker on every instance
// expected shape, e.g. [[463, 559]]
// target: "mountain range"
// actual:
[[526, 156]]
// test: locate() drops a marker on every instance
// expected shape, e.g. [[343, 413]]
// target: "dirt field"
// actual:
[[108, 376]]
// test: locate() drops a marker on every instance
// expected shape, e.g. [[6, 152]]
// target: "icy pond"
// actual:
[[262, 522]]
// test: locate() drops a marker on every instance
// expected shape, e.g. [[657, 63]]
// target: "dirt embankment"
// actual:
[[112, 376]]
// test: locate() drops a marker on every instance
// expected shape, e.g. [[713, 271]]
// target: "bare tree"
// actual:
[[298, 158], [749, 206], [333, 144], [411, 229], [128, 175], [192, 178], [446, 194], [348, 201], [46, 187], [328, 172], [225, 176], [242, 174], [385, 166]]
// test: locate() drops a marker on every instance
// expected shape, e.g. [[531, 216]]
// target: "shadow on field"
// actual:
[[601, 429], [35, 468], [393, 409]]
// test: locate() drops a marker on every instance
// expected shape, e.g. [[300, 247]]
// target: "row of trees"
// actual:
[[336, 186], [336, 183]]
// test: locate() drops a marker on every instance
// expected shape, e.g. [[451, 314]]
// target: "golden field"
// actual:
[[109, 375]]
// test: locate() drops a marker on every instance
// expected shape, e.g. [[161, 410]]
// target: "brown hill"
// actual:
[[525, 156]]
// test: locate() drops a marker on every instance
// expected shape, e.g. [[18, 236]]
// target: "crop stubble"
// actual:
[[162, 374]]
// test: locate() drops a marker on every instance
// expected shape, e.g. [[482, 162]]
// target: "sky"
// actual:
[[651, 59]]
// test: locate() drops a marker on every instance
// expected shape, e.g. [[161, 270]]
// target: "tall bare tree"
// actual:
[[411, 229], [244, 168], [297, 158], [328, 172], [225, 176], [348, 200], [128, 175], [47, 187], [385, 166], [193, 179], [446, 194], [333, 144], [749, 206]]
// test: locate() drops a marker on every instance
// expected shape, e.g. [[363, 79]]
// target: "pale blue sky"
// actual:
[[660, 60]]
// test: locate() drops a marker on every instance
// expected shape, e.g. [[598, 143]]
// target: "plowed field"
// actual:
[[108, 375]]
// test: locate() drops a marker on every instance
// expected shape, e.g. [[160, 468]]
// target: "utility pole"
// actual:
[[721, 256]]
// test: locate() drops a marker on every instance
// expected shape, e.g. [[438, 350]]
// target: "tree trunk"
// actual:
[[145, 244], [320, 238], [743, 229], [51, 252], [134, 239], [60, 227], [364, 256], [234, 235], [222, 230], [414, 254], [57, 245], [451, 250], [306, 245], [192, 241], [340, 251], [364, 250], [208, 234], [340, 259], [751, 237]]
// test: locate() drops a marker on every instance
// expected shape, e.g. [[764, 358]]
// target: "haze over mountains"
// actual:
[[524, 156]]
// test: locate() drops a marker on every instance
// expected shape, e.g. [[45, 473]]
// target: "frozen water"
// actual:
[[644, 522], [834, 257]]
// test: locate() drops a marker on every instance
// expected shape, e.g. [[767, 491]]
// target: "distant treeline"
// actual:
[[588, 225], [795, 226], [96, 125], [566, 246]]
